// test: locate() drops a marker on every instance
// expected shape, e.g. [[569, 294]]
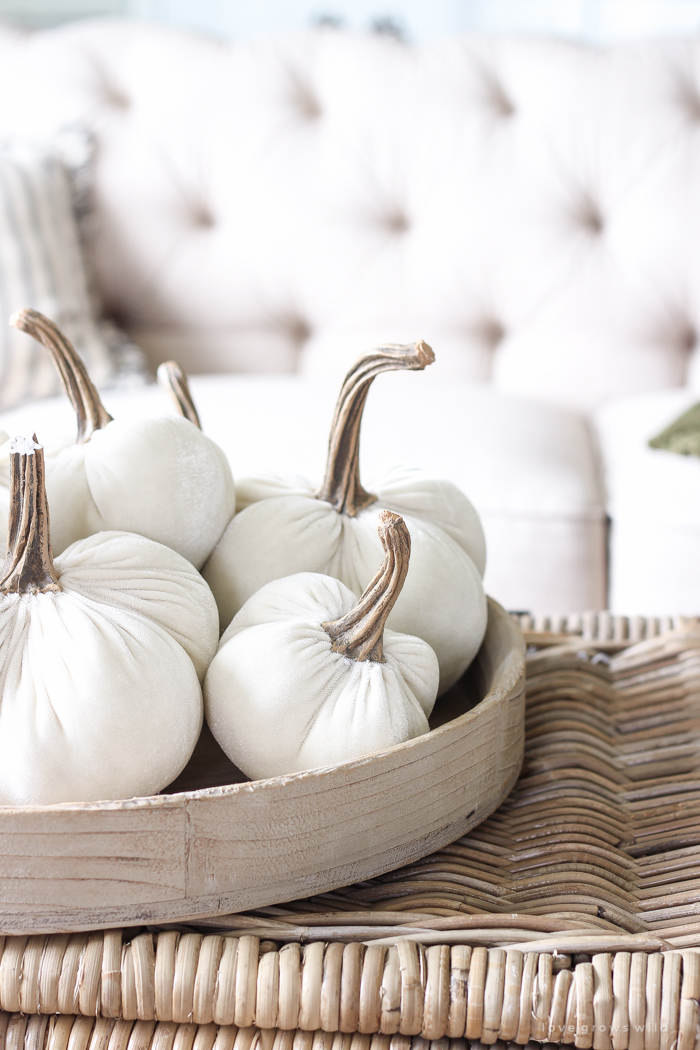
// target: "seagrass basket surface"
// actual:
[[571, 915]]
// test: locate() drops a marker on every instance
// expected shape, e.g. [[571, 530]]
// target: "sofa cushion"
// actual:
[[529, 469], [653, 498], [529, 205]]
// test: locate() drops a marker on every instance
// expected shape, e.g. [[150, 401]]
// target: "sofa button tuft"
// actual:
[[502, 105], [490, 332], [202, 216], [299, 330], [689, 97], [687, 337], [113, 97], [496, 97], [396, 221], [310, 108], [304, 99], [589, 216]]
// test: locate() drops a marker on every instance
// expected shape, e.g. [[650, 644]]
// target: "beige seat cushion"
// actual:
[[529, 469]]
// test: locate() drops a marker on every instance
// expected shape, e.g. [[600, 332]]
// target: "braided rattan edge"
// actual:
[[223, 991]]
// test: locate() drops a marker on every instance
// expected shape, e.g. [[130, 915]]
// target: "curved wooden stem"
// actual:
[[341, 485], [89, 410], [174, 381], [28, 567], [360, 634]]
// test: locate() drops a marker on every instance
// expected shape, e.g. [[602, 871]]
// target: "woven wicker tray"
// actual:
[[569, 916]]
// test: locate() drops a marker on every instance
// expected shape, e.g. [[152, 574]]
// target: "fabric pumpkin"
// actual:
[[306, 675], [161, 478], [286, 525], [101, 657]]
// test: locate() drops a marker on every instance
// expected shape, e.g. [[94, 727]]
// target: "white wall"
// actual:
[[588, 19]]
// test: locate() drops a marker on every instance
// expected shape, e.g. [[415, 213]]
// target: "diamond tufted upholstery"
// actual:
[[529, 207]]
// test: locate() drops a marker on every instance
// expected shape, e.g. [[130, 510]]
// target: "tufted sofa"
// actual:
[[267, 210]]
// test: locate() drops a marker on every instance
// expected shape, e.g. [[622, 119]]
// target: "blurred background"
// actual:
[[595, 20], [266, 210]]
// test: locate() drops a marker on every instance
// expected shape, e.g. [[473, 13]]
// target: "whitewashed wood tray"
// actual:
[[216, 843]]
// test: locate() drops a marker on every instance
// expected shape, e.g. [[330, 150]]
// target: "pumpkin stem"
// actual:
[[89, 410], [360, 634], [28, 567], [174, 381], [341, 485]]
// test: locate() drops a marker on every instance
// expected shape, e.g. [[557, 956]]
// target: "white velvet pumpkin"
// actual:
[[181, 493], [307, 676], [101, 658], [286, 526]]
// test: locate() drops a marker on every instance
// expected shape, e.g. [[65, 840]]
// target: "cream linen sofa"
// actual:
[[265, 211]]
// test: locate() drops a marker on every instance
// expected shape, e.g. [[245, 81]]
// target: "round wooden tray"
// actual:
[[216, 843]]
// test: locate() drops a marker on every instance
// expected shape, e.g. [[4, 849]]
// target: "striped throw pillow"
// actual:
[[41, 265]]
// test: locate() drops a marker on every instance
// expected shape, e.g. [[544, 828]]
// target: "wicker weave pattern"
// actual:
[[85, 1033], [551, 921], [621, 1001], [603, 826]]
